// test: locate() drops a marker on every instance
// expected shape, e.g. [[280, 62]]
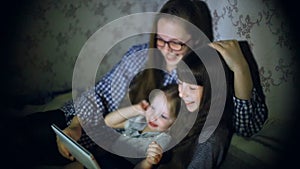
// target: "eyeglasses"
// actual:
[[176, 46]]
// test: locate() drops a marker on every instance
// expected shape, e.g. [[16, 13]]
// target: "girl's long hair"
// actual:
[[192, 70], [195, 12]]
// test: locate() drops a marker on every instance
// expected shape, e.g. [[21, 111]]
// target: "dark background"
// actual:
[[11, 14]]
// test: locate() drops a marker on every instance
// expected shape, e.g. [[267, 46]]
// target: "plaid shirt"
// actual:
[[108, 93]]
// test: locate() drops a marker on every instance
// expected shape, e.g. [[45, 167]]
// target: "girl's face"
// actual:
[[190, 94], [171, 37], [158, 114]]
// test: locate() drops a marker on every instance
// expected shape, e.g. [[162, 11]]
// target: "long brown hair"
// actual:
[[193, 71], [194, 12]]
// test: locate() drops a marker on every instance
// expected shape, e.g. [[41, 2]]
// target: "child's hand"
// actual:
[[154, 153], [142, 107]]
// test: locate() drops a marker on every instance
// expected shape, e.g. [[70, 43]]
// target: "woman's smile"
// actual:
[[171, 57]]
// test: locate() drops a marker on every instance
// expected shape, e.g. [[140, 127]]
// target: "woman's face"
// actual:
[[158, 114], [172, 32], [191, 95]]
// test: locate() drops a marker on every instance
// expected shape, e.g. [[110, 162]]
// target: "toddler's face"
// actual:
[[158, 115]]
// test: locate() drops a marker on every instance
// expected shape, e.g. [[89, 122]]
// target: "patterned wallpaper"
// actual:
[[51, 34]]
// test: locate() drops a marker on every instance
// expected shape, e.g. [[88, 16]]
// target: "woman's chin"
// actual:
[[191, 108]]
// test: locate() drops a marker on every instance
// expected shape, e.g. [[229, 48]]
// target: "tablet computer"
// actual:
[[78, 152]]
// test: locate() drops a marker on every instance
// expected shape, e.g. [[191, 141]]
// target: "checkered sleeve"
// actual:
[[107, 94], [110, 90], [250, 115]]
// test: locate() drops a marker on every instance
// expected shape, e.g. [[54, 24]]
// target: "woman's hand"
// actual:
[[234, 58], [231, 53], [74, 131]]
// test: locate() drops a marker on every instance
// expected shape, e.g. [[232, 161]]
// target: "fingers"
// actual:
[[153, 159], [223, 44], [144, 105], [65, 153], [226, 42], [217, 46], [63, 150], [154, 146], [232, 54], [154, 153], [73, 132]]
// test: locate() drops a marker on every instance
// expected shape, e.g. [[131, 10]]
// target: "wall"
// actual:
[[49, 36]]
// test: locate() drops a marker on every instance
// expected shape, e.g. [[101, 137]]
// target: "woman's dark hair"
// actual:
[[195, 12], [193, 71]]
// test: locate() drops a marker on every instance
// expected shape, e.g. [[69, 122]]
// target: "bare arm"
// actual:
[[251, 112], [234, 58], [118, 118]]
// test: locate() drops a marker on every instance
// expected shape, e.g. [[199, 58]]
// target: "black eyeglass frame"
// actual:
[[181, 44]]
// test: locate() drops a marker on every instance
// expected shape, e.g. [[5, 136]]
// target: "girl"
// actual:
[[197, 97], [149, 121]]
